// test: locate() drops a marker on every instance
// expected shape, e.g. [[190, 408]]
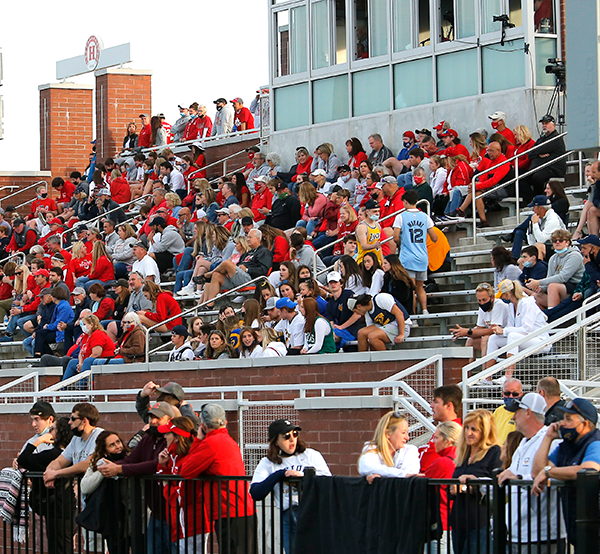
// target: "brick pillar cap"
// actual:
[[72, 86], [122, 71]]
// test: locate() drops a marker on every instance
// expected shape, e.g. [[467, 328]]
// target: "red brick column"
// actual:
[[65, 127], [121, 96]]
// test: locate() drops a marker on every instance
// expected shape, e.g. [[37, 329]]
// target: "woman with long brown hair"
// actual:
[[398, 283], [164, 306], [314, 207], [318, 331], [102, 270]]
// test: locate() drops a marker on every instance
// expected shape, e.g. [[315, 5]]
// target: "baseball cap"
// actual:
[[222, 211], [270, 303], [42, 408], [104, 191], [335, 188], [143, 115], [389, 179], [174, 389], [247, 220], [199, 145], [161, 115], [531, 401], [285, 303], [409, 134], [180, 330], [172, 428], [377, 185], [78, 189], [334, 276], [81, 228], [281, 427], [343, 167], [140, 244], [160, 409], [440, 125], [200, 213], [423, 132], [219, 100], [261, 179], [582, 407], [43, 272], [372, 204], [78, 290], [158, 221], [547, 119], [55, 221], [237, 99], [212, 413], [449, 133], [121, 283], [540, 200], [319, 172], [505, 286], [281, 185], [45, 291], [498, 115], [590, 239]]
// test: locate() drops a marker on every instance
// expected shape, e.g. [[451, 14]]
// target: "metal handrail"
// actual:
[[147, 330], [217, 162], [11, 187], [24, 203], [340, 240], [16, 255], [23, 190], [513, 180]]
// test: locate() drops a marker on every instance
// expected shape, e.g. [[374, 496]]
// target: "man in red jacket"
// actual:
[[499, 125], [146, 132], [263, 198], [65, 189], [214, 453], [490, 174], [23, 237]]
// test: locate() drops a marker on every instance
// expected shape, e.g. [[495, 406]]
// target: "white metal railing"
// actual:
[[515, 180], [20, 255], [59, 387], [32, 376], [20, 191]]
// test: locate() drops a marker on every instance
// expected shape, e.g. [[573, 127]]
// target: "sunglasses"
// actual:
[[570, 405], [555, 241], [289, 435], [514, 394], [18, 273]]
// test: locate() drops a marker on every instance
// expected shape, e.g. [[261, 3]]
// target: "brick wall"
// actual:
[[338, 434], [121, 96], [65, 127], [21, 180]]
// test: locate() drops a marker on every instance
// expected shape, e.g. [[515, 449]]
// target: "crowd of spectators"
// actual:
[[534, 436]]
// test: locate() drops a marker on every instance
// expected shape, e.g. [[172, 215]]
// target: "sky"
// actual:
[[197, 51]]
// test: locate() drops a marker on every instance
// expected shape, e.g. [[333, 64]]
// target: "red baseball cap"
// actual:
[[237, 99], [449, 133], [43, 272], [55, 221], [409, 134], [171, 428], [440, 125]]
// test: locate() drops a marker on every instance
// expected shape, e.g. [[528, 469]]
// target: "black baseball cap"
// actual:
[[219, 101], [42, 409], [180, 330], [547, 119], [372, 205], [281, 427]]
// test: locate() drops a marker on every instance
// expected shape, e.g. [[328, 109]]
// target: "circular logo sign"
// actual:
[[92, 52]]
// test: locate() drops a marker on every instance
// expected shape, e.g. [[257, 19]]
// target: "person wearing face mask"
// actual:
[[178, 128], [223, 118], [491, 312], [285, 210], [579, 450], [401, 164], [42, 204], [565, 270], [368, 232], [532, 267], [525, 318], [498, 123]]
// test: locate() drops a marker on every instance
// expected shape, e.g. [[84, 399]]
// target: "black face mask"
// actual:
[[487, 306], [219, 108], [77, 432], [153, 432], [44, 195], [374, 196], [116, 457], [592, 257]]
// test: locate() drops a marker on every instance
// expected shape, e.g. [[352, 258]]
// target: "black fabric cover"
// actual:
[[346, 514]]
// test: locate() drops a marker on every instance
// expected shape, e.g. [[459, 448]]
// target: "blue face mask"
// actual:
[[374, 217], [528, 263], [193, 116], [568, 434], [506, 300], [562, 250], [181, 114], [509, 401]]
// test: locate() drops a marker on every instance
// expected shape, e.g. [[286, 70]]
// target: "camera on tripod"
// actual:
[[557, 67], [503, 19]]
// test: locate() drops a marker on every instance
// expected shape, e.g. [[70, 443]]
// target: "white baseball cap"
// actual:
[[498, 115], [531, 401], [319, 172], [334, 276]]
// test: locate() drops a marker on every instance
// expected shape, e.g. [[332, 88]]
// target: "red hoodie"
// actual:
[[120, 191], [104, 270], [166, 307]]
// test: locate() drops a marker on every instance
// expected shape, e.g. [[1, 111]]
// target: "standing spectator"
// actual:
[[579, 450], [158, 135], [477, 456], [144, 139], [223, 118], [388, 454], [446, 405], [287, 456], [178, 128], [530, 527], [411, 229], [379, 152], [547, 152], [387, 321], [204, 124], [243, 120], [368, 232], [131, 138], [512, 390]]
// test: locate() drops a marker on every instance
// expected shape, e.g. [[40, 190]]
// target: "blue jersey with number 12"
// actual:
[[413, 246]]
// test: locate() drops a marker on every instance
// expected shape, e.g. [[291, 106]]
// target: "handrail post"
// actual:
[[581, 171], [499, 513], [474, 208], [517, 192]]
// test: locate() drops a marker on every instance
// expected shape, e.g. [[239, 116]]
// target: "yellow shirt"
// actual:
[[504, 423], [373, 235], [437, 251]]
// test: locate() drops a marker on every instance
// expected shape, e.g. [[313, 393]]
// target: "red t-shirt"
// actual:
[[243, 116], [508, 135], [66, 193], [99, 338], [355, 161], [81, 266], [145, 136], [46, 203]]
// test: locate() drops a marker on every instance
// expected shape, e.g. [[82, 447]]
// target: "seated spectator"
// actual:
[[260, 167], [100, 203], [164, 307], [218, 348], [347, 246], [452, 144], [356, 152], [285, 210], [416, 159], [272, 347], [291, 325], [251, 339], [102, 305], [326, 159], [387, 321], [145, 264], [490, 173], [379, 152], [288, 273], [301, 253], [42, 209], [439, 176], [250, 314], [362, 188], [523, 143], [314, 207], [309, 288], [253, 264], [533, 268], [478, 149], [590, 214], [537, 228], [262, 199], [389, 454], [397, 282], [457, 185], [102, 270], [274, 162], [277, 242], [96, 345], [590, 249], [122, 254], [287, 290], [44, 314], [131, 346], [23, 237], [347, 182], [169, 245], [318, 331], [371, 273], [368, 232], [526, 319], [565, 270], [351, 274], [120, 191], [182, 348], [50, 332], [504, 266], [400, 164]]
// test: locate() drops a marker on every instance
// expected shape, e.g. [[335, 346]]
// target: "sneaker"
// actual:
[[506, 238], [199, 279], [482, 224], [487, 382], [500, 380], [239, 299], [188, 290]]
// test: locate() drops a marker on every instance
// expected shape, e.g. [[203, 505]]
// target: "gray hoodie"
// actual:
[[306, 256], [178, 128], [564, 268], [170, 241]]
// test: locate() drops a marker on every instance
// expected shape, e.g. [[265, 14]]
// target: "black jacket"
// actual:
[[555, 149], [257, 262], [285, 213]]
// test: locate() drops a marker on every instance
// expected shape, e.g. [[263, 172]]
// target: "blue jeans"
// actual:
[[86, 282], [308, 225], [121, 270], [454, 202], [28, 345], [290, 519], [520, 234], [159, 537], [323, 240], [85, 366], [186, 260], [405, 180], [182, 278], [18, 321]]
